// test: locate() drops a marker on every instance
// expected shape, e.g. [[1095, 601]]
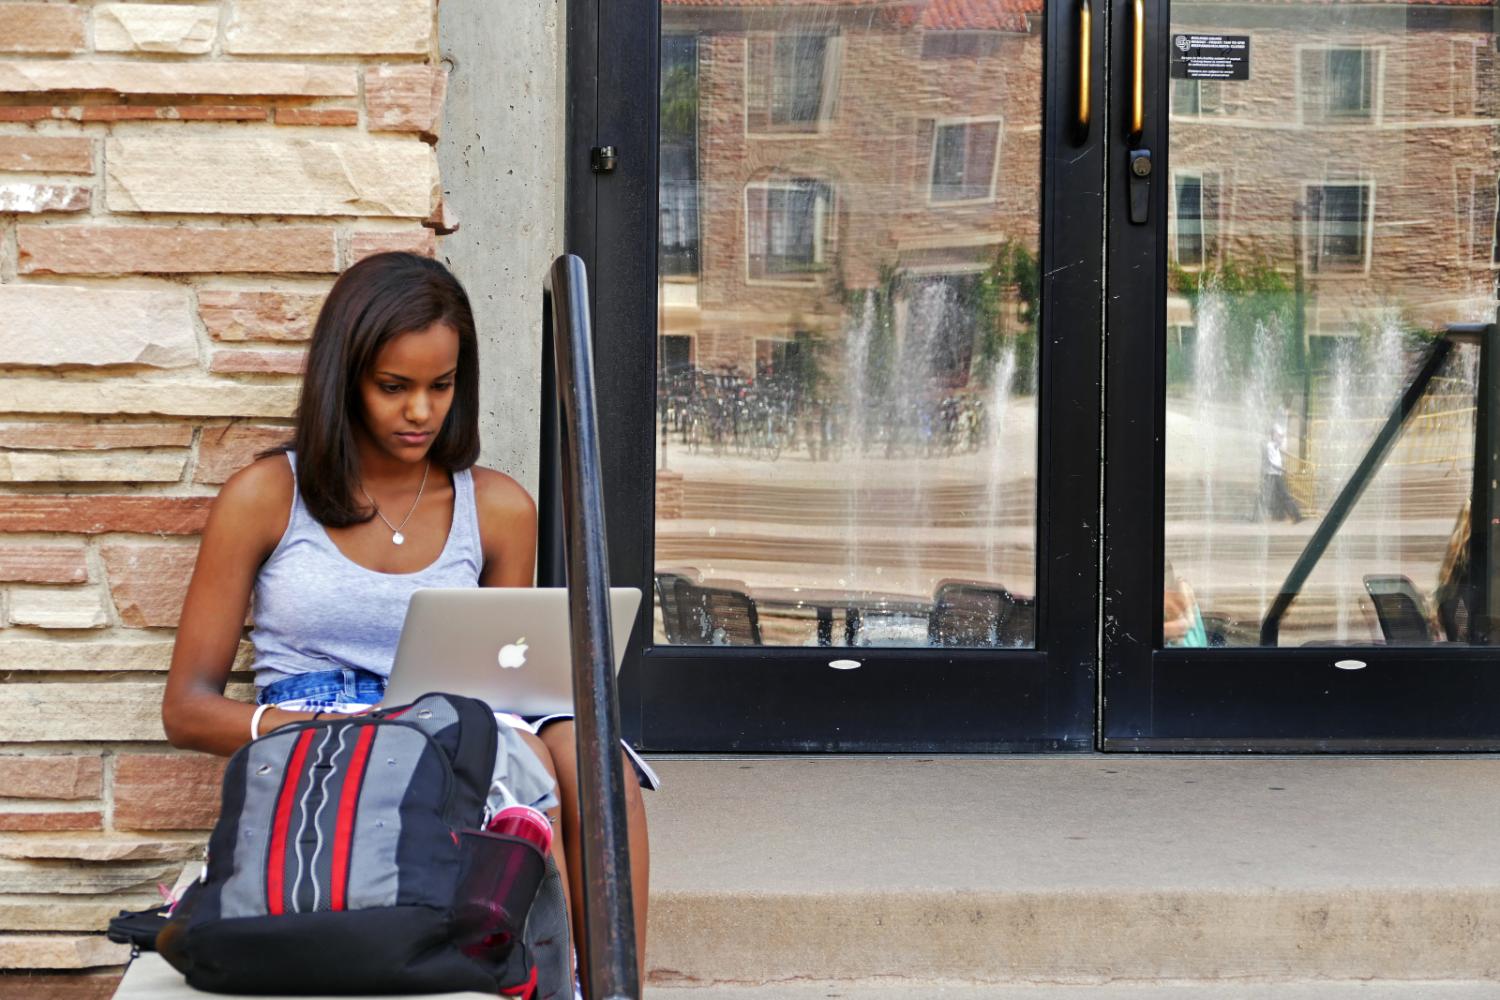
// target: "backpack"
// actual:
[[349, 857]]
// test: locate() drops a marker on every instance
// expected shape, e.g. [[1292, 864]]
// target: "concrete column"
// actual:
[[502, 169]]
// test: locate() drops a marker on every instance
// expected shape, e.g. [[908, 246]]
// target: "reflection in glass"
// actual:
[[847, 327], [1331, 216]]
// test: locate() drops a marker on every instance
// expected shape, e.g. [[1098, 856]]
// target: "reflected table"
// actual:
[[851, 605]]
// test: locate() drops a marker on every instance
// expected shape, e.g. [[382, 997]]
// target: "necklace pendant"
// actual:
[[398, 538]]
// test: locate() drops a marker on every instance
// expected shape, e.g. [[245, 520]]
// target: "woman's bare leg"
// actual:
[[560, 741]]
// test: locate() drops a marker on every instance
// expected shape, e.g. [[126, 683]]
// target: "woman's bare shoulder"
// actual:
[[258, 498], [499, 497]]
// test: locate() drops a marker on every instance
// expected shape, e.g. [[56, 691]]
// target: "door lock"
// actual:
[[1140, 185]]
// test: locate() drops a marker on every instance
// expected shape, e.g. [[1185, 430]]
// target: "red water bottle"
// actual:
[[531, 825]]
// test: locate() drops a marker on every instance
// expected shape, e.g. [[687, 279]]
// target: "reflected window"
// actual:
[[964, 156], [959, 44], [791, 82], [1338, 84], [1478, 203], [678, 180], [1197, 232], [787, 227], [1342, 215], [1191, 98]]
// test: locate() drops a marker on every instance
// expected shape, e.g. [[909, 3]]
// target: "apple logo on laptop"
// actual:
[[513, 654]]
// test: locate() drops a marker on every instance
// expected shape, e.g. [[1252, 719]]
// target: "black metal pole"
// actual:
[[1338, 511], [609, 924]]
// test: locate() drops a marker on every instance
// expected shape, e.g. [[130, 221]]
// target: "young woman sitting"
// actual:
[[375, 496]]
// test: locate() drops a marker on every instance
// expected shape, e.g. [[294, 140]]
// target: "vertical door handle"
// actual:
[[1137, 70], [1085, 71], [1139, 159]]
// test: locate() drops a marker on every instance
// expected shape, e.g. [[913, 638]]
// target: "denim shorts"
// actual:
[[342, 685], [335, 690]]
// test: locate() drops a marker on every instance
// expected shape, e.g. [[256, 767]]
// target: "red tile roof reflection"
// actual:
[[1003, 15], [935, 15]]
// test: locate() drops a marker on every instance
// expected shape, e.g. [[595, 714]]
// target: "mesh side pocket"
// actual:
[[496, 888]]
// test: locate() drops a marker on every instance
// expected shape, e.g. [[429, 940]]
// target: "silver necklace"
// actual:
[[396, 537]]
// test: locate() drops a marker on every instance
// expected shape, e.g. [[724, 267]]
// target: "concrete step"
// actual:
[[1320, 990], [1074, 870]]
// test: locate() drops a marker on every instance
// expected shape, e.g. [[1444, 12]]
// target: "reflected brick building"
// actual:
[[810, 148]]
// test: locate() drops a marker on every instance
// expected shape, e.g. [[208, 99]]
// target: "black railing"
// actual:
[[1406, 406], [609, 925]]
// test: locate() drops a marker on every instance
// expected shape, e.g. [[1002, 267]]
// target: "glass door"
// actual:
[[848, 300], [1309, 564]]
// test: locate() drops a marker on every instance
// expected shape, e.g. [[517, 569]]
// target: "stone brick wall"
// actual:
[[179, 184]]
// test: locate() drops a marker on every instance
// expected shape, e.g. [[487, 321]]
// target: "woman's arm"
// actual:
[[247, 520], [507, 530]]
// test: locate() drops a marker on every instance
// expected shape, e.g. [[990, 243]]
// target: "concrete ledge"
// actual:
[[1075, 869]]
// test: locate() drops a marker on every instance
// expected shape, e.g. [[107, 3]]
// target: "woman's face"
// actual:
[[408, 390]]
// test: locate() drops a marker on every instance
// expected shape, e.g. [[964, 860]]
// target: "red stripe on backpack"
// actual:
[[343, 831], [276, 865]]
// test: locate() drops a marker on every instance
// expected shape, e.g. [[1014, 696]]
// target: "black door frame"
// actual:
[[1143, 698], [1286, 700], [677, 698]]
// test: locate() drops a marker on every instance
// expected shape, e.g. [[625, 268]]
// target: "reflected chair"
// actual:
[[717, 616], [1400, 609], [1453, 615], [974, 614], [671, 611]]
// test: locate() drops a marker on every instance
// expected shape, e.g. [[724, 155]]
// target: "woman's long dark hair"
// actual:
[[377, 299]]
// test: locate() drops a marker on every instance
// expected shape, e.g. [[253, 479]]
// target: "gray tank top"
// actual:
[[316, 609]]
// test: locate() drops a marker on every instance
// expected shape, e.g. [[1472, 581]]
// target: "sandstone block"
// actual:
[[59, 951], [96, 514], [97, 984], [151, 27], [92, 467], [201, 398], [65, 712], [405, 98], [41, 27], [25, 877], [167, 791], [317, 116], [310, 27], [231, 315], [22, 562], [46, 154], [257, 79], [253, 362], [174, 249], [184, 113], [148, 581], [51, 325], [50, 913], [58, 607], [91, 848], [33, 199], [271, 176], [51, 776], [17, 820], [48, 436], [223, 451], [417, 241], [95, 655]]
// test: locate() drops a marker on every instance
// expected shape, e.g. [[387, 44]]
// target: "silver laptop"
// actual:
[[509, 646]]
